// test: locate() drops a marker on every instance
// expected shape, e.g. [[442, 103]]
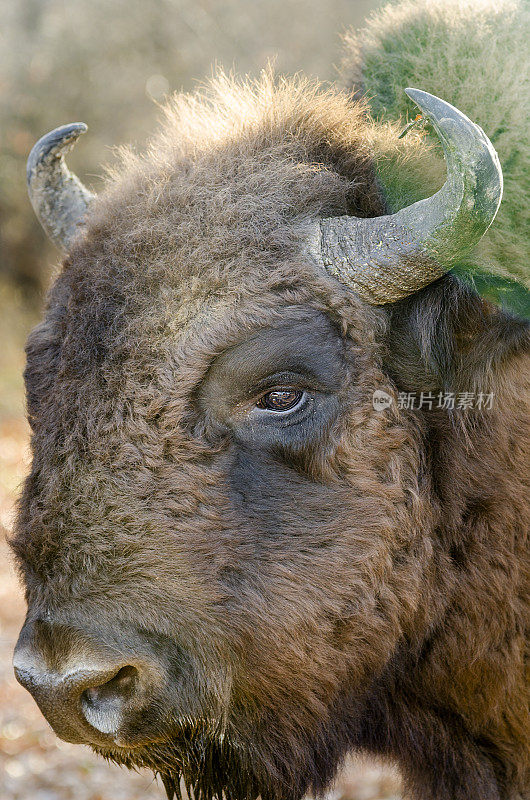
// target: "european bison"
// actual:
[[277, 509]]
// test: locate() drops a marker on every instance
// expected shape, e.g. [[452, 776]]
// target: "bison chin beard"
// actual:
[[198, 756], [214, 764]]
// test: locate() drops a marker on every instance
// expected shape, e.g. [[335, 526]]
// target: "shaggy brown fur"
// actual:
[[354, 580]]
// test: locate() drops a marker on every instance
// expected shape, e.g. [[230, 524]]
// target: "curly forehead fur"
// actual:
[[224, 191]]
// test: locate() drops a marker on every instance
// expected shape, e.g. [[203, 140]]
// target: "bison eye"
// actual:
[[281, 400]]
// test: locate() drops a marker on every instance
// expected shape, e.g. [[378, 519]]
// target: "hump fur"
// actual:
[[472, 53]]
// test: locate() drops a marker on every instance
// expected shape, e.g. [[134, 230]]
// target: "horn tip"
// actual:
[[436, 110], [428, 102], [52, 144], [416, 92]]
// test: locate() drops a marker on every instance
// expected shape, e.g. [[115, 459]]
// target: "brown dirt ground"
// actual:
[[34, 764]]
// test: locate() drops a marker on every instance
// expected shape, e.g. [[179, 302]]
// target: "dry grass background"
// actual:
[[107, 61]]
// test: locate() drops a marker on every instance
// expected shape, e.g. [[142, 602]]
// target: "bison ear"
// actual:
[[447, 338]]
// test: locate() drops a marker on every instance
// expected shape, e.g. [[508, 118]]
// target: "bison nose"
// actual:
[[85, 699], [91, 697]]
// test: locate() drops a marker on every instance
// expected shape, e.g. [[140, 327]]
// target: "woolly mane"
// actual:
[[243, 160], [224, 193]]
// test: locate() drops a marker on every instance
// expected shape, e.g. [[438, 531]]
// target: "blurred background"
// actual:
[[110, 63]]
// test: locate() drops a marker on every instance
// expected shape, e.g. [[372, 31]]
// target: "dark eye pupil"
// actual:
[[280, 400]]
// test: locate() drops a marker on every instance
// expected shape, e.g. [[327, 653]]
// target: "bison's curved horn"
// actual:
[[386, 258], [58, 197]]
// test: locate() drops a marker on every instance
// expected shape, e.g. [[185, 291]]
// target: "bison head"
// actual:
[[223, 543]]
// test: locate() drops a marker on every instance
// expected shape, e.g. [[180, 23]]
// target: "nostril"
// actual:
[[121, 685], [102, 705]]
